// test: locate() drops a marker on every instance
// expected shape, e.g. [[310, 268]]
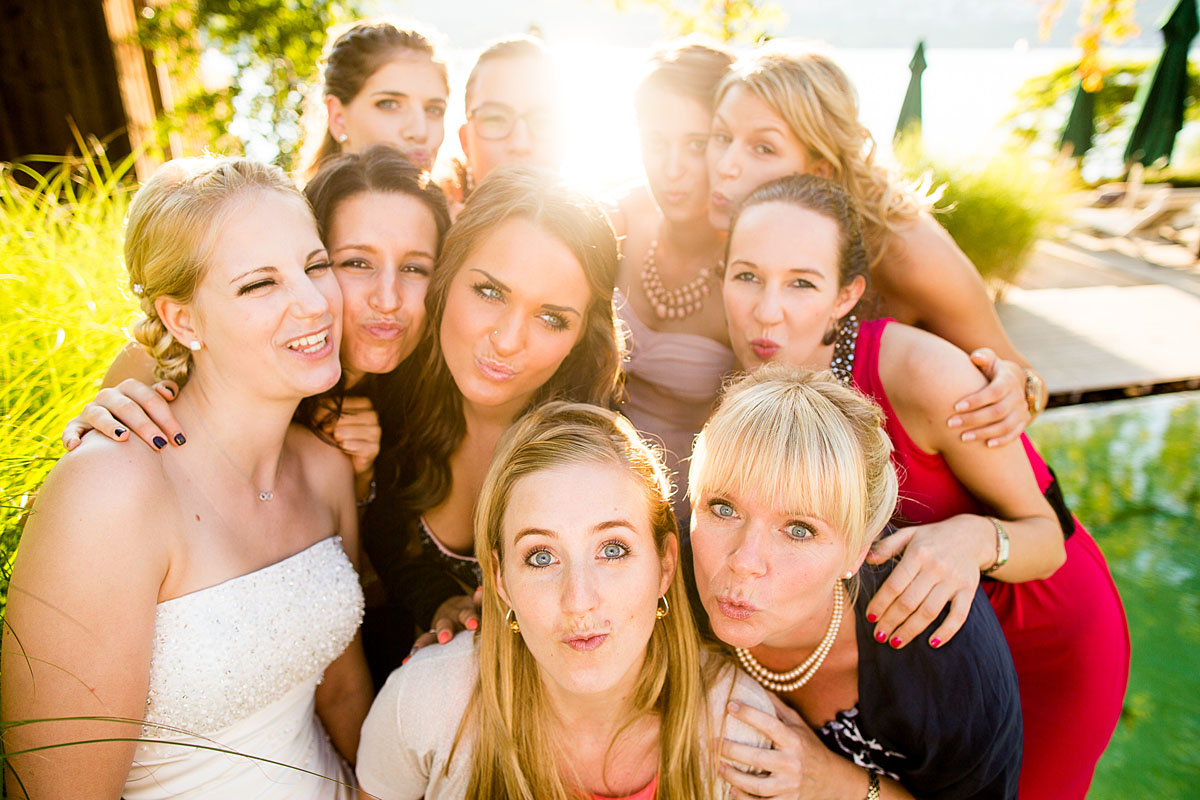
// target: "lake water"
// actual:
[[1130, 471]]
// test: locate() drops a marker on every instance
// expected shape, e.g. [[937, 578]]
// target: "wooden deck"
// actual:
[[1101, 322]]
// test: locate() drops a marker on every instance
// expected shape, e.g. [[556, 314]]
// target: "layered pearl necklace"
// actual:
[[678, 303], [794, 678]]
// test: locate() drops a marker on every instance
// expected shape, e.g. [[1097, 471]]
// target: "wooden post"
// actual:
[[136, 82]]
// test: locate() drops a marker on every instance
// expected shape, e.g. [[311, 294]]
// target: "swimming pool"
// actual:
[[1130, 471]]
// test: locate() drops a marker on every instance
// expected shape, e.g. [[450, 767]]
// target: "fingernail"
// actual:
[[880, 636], [180, 440], [872, 617], [954, 422], [935, 642], [733, 707], [968, 437], [960, 406], [993, 443], [119, 432], [896, 641], [160, 442], [472, 624], [170, 391], [443, 637], [405, 661]]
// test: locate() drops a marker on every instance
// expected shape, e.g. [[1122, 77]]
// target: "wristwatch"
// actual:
[[1002, 546], [1033, 392]]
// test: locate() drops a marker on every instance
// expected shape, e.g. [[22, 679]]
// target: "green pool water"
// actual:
[[1130, 471]]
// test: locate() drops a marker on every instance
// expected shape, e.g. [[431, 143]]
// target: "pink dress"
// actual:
[[1067, 633], [673, 380]]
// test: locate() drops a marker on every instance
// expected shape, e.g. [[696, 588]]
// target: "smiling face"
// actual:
[[383, 246], [581, 572], [674, 131], [750, 145], [512, 91], [762, 571], [402, 104], [267, 310], [514, 310], [781, 289]]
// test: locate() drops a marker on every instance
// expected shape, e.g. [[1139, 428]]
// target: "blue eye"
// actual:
[[555, 322], [614, 550], [800, 530], [539, 558], [487, 291], [722, 509]]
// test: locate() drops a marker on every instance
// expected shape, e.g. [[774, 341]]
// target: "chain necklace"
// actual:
[[798, 676], [678, 303], [265, 496], [842, 365]]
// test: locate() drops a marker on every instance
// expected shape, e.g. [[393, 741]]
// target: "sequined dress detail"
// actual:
[[235, 666]]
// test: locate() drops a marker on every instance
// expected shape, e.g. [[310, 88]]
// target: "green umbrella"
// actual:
[[1161, 98], [1081, 125], [910, 111]]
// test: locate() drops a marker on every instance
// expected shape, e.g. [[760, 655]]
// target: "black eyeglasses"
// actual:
[[497, 121]]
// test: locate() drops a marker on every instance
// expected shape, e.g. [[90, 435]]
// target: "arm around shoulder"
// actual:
[[80, 622]]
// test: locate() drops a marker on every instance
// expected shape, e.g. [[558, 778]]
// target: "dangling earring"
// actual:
[[664, 607], [831, 333], [511, 619], [194, 345], [343, 137]]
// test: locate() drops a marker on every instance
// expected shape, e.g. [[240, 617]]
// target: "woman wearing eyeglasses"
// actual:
[[513, 113]]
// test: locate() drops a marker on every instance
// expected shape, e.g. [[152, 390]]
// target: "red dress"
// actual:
[[1067, 633]]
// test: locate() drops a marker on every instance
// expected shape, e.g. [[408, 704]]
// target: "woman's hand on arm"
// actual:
[[357, 432], [796, 766], [456, 614], [933, 285], [131, 405], [941, 561]]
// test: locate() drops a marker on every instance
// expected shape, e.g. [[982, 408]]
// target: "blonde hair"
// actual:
[[173, 224], [819, 104], [804, 443], [515, 755]]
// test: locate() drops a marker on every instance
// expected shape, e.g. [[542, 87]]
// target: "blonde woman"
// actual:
[[791, 481], [586, 678], [176, 588], [781, 111]]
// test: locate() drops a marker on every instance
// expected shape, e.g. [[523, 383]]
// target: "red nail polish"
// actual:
[[896, 641], [443, 637], [881, 636], [472, 624], [935, 642], [405, 661], [872, 618]]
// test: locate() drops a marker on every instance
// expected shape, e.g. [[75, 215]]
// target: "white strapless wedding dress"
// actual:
[[230, 713]]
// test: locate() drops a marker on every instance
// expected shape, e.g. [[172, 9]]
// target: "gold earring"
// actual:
[[664, 607], [511, 619]]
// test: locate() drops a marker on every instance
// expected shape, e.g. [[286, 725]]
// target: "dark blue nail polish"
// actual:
[[119, 432], [159, 442], [180, 440]]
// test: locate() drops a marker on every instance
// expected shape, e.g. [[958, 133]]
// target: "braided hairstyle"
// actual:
[[353, 57], [174, 221]]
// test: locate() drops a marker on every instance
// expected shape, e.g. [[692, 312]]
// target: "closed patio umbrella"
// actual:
[[1160, 99], [910, 110], [1081, 124]]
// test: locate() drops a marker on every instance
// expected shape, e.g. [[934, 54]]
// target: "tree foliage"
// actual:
[[725, 20], [1100, 22], [274, 46]]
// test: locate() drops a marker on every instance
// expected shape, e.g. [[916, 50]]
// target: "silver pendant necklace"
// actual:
[[264, 495]]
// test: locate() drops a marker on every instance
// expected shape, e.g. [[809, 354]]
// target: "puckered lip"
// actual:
[[585, 642], [764, 348], [734, 608], [384, 329], [421, 156], [495, 370], [720, 201]]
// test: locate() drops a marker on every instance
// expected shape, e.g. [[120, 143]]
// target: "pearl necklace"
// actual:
[[794, 678], [678, 303]]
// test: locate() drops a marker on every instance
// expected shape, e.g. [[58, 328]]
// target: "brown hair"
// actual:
[[829, 200], [691, 67], [170, 233], [515, 755], [354, 56], [590, 373]]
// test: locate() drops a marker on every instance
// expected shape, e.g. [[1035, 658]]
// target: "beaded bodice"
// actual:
[[225, 652]]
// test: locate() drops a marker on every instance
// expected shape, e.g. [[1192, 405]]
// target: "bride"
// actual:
[[175, 618]]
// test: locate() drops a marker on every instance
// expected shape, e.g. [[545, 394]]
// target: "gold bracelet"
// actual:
[[1002, 546], [872, 786]]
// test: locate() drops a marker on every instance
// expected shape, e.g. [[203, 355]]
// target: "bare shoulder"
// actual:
[[922, 372], [328, 473], [919, 255]]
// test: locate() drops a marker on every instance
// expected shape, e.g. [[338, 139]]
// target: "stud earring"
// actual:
[[511, 619], [664, 607], [343, 137], [849, 574], [194, 345]]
